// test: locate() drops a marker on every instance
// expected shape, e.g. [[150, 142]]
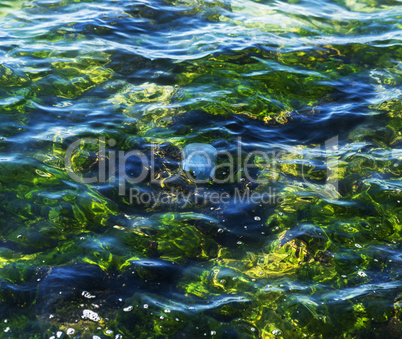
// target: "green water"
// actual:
[[314, 85]]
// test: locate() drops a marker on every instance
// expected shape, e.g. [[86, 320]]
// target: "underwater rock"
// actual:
[[64, 286]]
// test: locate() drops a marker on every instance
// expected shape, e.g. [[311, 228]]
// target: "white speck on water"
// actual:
[[91, 315], [7, 329], [358, 246], [257, 218], [361, 274], [88, 295], [145, 306], [70, 331], [276, 332], [128, 308]]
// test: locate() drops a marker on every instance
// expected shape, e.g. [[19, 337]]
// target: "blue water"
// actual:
[[311, 90]]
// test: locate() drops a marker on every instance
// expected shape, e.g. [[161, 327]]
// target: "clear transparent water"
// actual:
[[316, 85]]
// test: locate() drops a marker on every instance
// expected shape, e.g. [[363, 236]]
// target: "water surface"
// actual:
[[316, 85]]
